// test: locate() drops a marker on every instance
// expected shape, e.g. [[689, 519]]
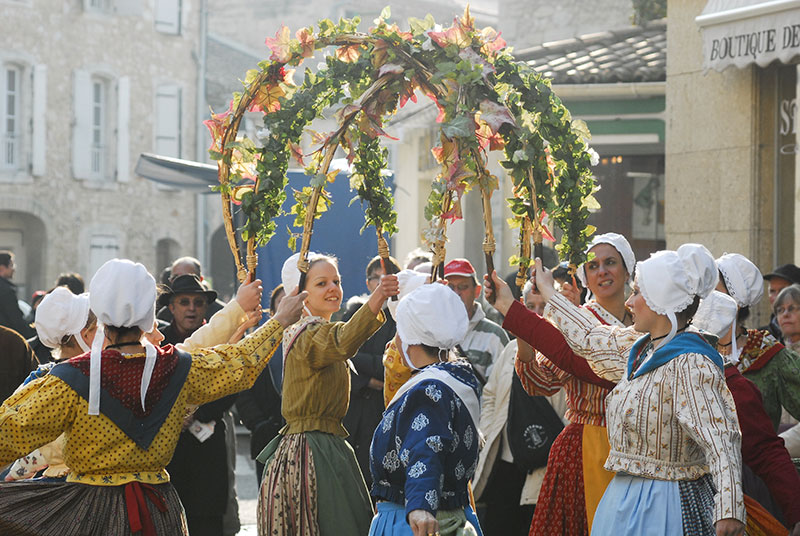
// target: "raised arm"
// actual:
[[225, 323], [606, 348], [34, 416], [548, 340], [229, 368]]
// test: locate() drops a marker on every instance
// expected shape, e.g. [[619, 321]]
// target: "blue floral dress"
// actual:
[[425, 449]]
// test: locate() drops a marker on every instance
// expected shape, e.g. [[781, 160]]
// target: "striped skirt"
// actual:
[[312, 486], [53, 508]]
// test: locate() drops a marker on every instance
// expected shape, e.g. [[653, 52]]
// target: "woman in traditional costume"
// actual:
[[425, 448], [763, 453], [575, 479], [312, 484], [673, 429], [67, 326], [121, 410], [760, 357]]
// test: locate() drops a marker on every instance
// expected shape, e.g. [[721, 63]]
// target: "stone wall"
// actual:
[[709, 143], [527, 23], [251, 22], [64, 36], [719, 149]]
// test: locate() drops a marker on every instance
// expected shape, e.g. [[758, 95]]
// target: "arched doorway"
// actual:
[[24, 235]]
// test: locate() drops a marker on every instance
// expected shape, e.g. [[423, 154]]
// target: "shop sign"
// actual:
[[759, 33]]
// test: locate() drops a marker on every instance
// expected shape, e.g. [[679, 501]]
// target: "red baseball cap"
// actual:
[[459, 267]]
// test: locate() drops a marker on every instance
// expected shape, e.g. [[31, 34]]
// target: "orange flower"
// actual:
[[216, 126], [280, 45], [266, 98]]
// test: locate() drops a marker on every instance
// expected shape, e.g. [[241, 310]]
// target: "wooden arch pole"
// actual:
[[311, 212]]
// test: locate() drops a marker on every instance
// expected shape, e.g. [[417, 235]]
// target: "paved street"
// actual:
[[246, 483]]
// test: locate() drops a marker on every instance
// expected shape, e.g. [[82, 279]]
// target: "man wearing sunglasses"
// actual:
[[187, 300]]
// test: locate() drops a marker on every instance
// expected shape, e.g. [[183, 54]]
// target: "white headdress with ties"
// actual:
[[716, 313], [290, 274], [432, 315], [62, 313], [618, 242], [122, 294], [745, 284], [408, 281], [670, 280]]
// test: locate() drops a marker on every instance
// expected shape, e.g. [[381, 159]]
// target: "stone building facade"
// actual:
[[526, 23], [250, 23], [731, 146], [87, 86]]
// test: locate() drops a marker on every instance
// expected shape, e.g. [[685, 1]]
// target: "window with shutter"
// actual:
[[81, 124], [98, 130], [10, 111], [168, 16], [102, 248]]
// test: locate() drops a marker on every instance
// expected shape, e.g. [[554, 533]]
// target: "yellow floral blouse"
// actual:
[[97, 450]]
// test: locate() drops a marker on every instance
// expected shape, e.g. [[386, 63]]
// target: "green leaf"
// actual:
[[420, 26], [580, 128], [462, 126], [590, 203], [318, 180], [446, 67]]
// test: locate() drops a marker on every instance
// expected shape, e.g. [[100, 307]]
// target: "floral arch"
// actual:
[[486, 100]]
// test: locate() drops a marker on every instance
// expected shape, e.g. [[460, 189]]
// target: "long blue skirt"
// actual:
[[647, 507], [390, 520]]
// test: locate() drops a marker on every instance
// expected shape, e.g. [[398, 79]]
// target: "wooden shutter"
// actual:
[[123, 129], [81, 124], [38, 121]]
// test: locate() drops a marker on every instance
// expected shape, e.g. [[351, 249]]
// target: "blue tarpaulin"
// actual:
[[336, 233]]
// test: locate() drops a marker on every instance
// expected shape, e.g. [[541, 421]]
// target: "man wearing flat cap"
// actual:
[[778, 279]]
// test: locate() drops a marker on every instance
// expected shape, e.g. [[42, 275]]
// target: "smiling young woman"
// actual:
[[311, 480], [324, 287]]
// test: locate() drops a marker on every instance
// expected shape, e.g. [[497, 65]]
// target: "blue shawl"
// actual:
[[682, 343]]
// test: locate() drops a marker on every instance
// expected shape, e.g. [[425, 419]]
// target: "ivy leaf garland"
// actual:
[[486, 100]]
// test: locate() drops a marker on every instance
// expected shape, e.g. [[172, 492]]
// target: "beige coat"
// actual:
[[494, 414]]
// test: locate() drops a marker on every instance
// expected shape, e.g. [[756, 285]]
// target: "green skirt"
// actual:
[[333, 481]]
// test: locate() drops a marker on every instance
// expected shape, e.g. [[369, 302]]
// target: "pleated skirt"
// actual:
[[57, 508]]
